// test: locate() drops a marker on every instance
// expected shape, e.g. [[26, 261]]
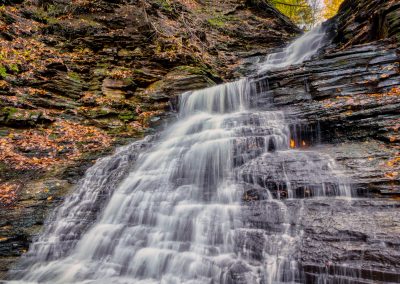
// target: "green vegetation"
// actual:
[[8, 112], [306, 13], [74, 76], [46, 16], [165, 5], [127, 116], [219, 21], [3, 71], [14, 68]]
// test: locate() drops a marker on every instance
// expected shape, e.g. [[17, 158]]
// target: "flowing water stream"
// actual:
[[176, 213]]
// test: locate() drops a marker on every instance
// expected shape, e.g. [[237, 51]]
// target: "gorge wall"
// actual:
[[80, 78], [347, 99]]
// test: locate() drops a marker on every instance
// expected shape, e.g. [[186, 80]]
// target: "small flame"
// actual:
[[303, 143], [292, 144]]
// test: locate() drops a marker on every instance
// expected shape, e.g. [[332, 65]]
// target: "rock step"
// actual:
[[340, 274]]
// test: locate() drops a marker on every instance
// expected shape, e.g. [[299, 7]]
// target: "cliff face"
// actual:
[[344, 102], [352, 98], [365, 21], [79, 77]]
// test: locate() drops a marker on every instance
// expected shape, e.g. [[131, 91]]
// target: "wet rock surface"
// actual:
[[347, 99], [350, 97], [364, 21], [351, 239], [79, 78], [344, 103], [334, 240]]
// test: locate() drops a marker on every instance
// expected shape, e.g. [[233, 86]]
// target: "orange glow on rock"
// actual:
[[292, 144]]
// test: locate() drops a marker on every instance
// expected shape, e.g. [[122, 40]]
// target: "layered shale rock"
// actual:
[[350, 98], [332, 240], [344, 102], [363, 21], [78, 78], [88, 75]]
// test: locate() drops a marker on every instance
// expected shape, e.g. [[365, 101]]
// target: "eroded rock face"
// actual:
[[79, 77], [352, 99], [345, 103], [333, 240], [346, 240], [363, 21], [347, 99]]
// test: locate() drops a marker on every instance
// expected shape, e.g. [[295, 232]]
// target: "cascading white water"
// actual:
[[176, 217], [300, 50]]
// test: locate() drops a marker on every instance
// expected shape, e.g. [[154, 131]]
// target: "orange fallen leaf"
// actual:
[[392, 174]]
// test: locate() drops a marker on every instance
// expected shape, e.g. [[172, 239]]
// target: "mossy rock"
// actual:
[[14, 117], [220, 21], [127, 116], [74, 76], [164, 5], [100, 112], [8, 111]]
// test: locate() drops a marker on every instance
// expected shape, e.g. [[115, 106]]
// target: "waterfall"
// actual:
[[178, 211], [300, 50]]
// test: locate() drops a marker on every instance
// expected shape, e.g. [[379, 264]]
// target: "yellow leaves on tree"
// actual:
[[300, 12], [331, 8]]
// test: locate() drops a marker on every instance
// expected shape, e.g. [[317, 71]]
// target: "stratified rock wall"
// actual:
[[350, 96], [361, 21], [78, 78], [345, 102]]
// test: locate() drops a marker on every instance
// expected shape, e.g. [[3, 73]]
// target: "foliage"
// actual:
[[14, 67], [8, 193], [331, 8], [302, 12], [3, 71], [306, 13], [63, 142], [165, 5], [120, 73], [127, 116]]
